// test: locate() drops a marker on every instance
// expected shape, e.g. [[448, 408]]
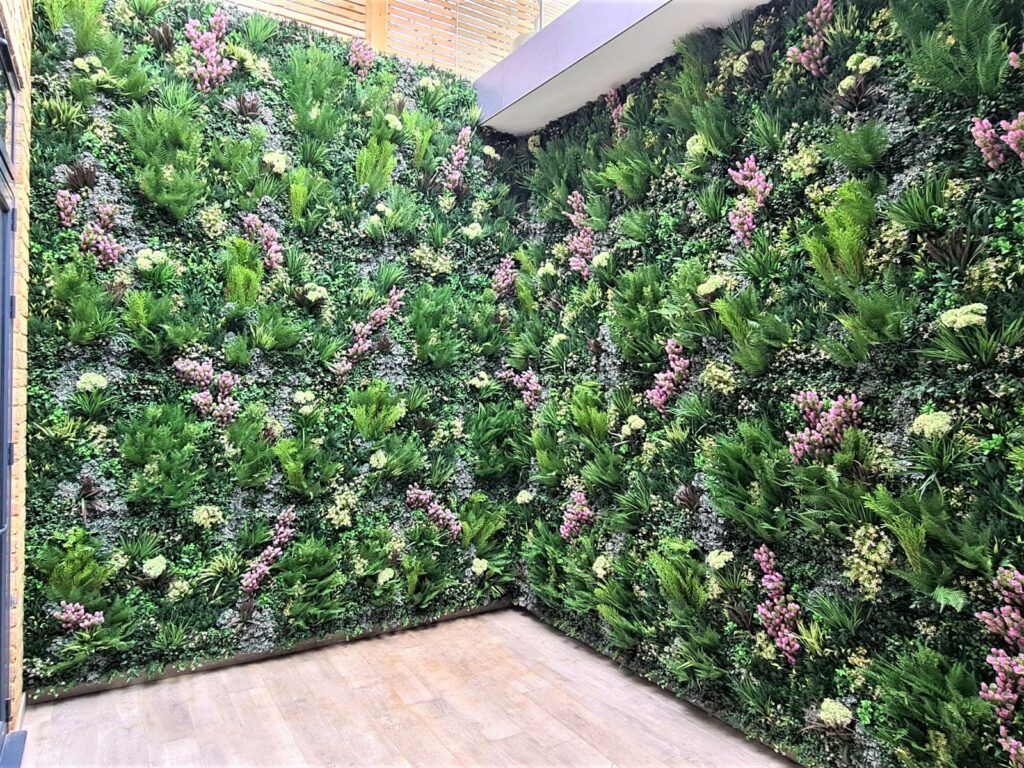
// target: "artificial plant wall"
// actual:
[[724, 370], [261, 273], [776, 313]]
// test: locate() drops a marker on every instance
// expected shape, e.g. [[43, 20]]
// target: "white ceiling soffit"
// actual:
[[593, 47]]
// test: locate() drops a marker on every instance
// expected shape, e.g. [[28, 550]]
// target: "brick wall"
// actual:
[[16, 19]]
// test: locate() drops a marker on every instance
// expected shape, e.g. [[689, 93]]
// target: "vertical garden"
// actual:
[[721, 375]]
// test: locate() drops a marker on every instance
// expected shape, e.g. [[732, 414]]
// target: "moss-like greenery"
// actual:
[[721, 374]]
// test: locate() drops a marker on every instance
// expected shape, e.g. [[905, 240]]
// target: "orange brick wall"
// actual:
[[16, 18]]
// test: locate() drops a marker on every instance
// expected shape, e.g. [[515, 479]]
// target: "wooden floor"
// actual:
[[498, 689]]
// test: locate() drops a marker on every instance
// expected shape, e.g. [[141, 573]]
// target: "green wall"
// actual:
[[720, 374]]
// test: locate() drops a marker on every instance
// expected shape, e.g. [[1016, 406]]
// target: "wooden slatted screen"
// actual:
[[342, 17], [465, 36]]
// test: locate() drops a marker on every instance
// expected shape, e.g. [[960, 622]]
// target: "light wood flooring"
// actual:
[[497, 689]]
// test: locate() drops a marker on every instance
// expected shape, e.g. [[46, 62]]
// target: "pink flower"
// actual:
[[667, 383], [825, 429], [361, 57], [810, 54], [580, 241], [426, 500], [778, 613], [211, 66], [268, 239], [73, 617], [504, 280], [751, 178], [97, 241], [453, 168], [259, 569], [362, 334], [741, 220], [1014, 136], [987, 140], [224, 408], [617, 110], [577, 514], [526, 382], [67, 207]]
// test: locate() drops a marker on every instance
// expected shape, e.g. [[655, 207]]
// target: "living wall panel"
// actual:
[[263, 277], [775, 306]]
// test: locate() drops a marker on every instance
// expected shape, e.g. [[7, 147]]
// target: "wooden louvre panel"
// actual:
[[465, 36], [342, 17]]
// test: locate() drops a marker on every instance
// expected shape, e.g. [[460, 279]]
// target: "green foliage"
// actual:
[[979, 346], [375, 410], [75, 569], [638, 323], [497, 435], [957, 46], [754, 331], [252, 460], [919, 207], [374, 166], [861, 149], [433, 318], [161, 443], [935, 546], [929, 710], [879, 317], [88, 306], [838, 246], [747, 480], [309, 574], [167, 143]]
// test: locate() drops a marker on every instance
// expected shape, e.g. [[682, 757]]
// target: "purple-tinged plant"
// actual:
[[67, 207], [1014, 136], [453, 169], [504, 280], [580, 241], [442, 517], [361, 57], [825, 429], [741, 220], [748, 177], [74, 617], [778, 612], [259, 569], [810, 54], [103, 245], [363, 332], [106, 216], [667, 382], [199, 374], [987, 140], [268, 239], [222, 407], [211, 66], [751, 178], [1004, 692], [617, 110], [577, 514], [526, 382], [1015, 59]]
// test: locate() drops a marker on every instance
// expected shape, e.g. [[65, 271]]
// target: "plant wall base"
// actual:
[[42, 696]]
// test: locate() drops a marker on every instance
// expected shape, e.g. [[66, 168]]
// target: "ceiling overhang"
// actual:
[[593, 47]]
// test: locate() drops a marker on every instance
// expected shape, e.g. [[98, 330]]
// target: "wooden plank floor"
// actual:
[[498, 689]]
